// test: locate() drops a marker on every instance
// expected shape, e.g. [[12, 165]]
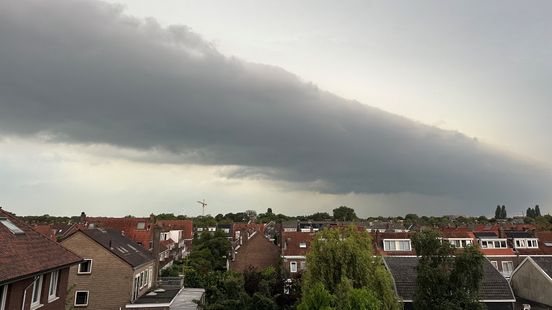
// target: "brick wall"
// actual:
[[16, 292], [257, 252], [110, 282]]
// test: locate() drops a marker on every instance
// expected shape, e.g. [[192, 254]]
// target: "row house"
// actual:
[[294, 248], [34, 270], [392, 243], [494, 290], [116, 270]]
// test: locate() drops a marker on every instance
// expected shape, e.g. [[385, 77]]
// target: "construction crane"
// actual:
[[203, 205]]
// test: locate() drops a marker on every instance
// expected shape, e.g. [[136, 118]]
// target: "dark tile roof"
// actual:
[[123, 247], [518, 234], [403, 269], [545, 263], [29, 253]]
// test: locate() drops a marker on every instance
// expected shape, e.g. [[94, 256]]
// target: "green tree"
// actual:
[[498, 213], [537, 211], [344, 213], [339, 257], [503, 214], [209, 252], [445, 280]]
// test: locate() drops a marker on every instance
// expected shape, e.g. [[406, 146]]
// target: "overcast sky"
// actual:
[[388, 107]]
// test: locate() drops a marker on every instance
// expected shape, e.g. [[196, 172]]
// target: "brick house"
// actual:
[[34, 270], [257, 251], [295, 245], [116, 270]]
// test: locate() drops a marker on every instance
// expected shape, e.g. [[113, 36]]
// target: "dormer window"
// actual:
[[526, 243], [396, 245], [141, 225], [493, 243], [459, 242]]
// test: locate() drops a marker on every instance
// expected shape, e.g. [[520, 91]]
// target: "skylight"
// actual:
[[11, 226]]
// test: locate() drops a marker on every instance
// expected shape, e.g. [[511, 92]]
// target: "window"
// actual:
[[493, 244], [495, 264], [396, 245], [85, 267], [507, 268], [11, 226], [293, 267], [52, 291], [81, 298], [526, 243], [303, 245], [141, 225], [3, 296], [37, 290]]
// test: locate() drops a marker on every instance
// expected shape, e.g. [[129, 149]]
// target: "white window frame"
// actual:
[[37, 291], [150, 277], [293, 266], [4, 290], [495, 264], [52, 289], [490, 243], [83, 272], [507, 272], [303, 245], [87, 299], [396, 243], [523, 243]]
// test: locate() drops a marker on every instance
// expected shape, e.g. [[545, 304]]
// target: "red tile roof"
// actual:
[[460, 232], [291, 241], [184, 225], [46, 230], [24, 255], [507, 251]]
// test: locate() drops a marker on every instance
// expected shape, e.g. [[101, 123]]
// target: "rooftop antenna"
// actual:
[[203, 205]]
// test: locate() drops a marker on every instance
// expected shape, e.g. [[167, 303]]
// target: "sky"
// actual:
[[133, 107]]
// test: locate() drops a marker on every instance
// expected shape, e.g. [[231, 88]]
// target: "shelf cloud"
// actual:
[[82, 72]]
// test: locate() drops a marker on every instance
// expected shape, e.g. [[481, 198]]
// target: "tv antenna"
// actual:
[[203, 205]]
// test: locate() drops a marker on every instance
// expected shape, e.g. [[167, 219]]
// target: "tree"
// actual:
[[344, 213], [445, 280], [498, 213], [269, 210], [209, 252], [503, 214], [537, 211], [339, 261], [530, 212]]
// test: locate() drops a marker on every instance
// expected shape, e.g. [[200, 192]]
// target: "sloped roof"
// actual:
[[545, 263], [29, 253], [403, 270], [124, 248], [485, 234], [292, 239], [518, 234], [185, 225]]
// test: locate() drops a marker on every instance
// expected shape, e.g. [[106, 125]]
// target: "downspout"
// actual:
[[25, 292]]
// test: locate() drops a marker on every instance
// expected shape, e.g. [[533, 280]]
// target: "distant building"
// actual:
[[116, 270], [34, 270]]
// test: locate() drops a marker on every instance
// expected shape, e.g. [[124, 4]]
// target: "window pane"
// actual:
[[81, 298]]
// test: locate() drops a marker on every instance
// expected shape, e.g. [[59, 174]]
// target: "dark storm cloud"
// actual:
[[81, 72]]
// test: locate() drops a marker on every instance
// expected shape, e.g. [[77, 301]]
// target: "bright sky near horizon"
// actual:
[[119, 115]]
